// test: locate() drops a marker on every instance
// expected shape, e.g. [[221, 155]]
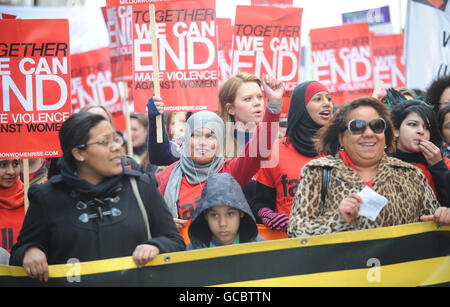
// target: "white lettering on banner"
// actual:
[[284, 50], [190, 38], [356, 65], [119, 26], [42, 67], [249, 43], [323, 57], [292, 44], [143, 31], [26, 118], [4, 68], [386, 69], [103, 90], [35, 74], [27, 103], [261, 62], [206, 29]]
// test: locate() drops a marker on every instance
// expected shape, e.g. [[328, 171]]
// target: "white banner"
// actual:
[[427, 42]]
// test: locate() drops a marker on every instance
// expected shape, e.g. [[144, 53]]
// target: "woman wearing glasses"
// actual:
[[356, 141], [90, 211]]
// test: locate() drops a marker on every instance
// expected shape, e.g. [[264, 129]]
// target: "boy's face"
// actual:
[[224, 223]]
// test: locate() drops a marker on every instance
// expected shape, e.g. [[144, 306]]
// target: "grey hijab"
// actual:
[[195, 173]]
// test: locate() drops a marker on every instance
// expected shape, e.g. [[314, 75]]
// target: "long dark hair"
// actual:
[[75, 131], [327, 141], [425, 111]]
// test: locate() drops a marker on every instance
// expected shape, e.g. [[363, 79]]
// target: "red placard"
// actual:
[[280, 3], [389, 65], [118, 24], [342, 60], [225, 37], [91, 81], [267, 41], [110, 3], [8, 16], [35, 84], [187, 49]]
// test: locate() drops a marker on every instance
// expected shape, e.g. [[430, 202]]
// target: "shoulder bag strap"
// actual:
[[326, 170], [141, 205]]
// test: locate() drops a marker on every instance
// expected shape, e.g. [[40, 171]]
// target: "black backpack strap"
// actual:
[[326, 170]]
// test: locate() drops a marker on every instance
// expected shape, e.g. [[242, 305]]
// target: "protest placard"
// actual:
[[110, 3], [91, 81], [280, 3], [342, 60], [267, 41], [388, 61], [225, 41], [118, 24], [35, 83], [187, 51]]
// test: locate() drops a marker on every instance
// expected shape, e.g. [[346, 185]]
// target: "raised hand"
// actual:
[[155, 106], [273, 88]]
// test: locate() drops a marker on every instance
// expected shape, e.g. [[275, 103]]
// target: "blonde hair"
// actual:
[[227, 94]]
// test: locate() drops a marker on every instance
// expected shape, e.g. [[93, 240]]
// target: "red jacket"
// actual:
[[243, 167]]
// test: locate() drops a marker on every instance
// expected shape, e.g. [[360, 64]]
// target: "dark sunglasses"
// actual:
[[358, 126]]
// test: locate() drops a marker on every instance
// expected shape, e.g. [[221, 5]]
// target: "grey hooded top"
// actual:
[[221, 189]]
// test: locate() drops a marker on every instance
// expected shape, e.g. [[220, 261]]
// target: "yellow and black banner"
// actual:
[[408, 255]]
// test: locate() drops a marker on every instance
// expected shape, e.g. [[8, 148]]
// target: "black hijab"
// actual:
[[301, 128]]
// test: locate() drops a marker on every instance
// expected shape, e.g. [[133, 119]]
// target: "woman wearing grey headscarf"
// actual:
[[202, 155]]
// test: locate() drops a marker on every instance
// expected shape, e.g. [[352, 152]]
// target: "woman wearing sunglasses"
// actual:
[[418, 140], [90, 211], [357, 141]]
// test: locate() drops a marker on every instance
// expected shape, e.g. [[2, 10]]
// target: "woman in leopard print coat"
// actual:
[[357, 159]]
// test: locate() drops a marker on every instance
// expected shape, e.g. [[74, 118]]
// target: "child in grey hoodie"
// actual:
[[223, 216]]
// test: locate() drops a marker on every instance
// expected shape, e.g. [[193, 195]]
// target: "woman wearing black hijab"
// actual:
[[310, 109]]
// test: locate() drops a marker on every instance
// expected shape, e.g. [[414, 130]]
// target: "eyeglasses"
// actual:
[[358, 126], [105, 143]]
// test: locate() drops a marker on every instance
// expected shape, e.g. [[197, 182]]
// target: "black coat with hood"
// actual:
[[221, 189], [66, 221]]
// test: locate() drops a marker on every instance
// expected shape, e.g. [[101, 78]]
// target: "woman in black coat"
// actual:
[[90, 211]]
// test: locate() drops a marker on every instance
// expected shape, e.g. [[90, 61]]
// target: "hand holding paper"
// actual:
[[349, 207], [372, 203], [367, 203]]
